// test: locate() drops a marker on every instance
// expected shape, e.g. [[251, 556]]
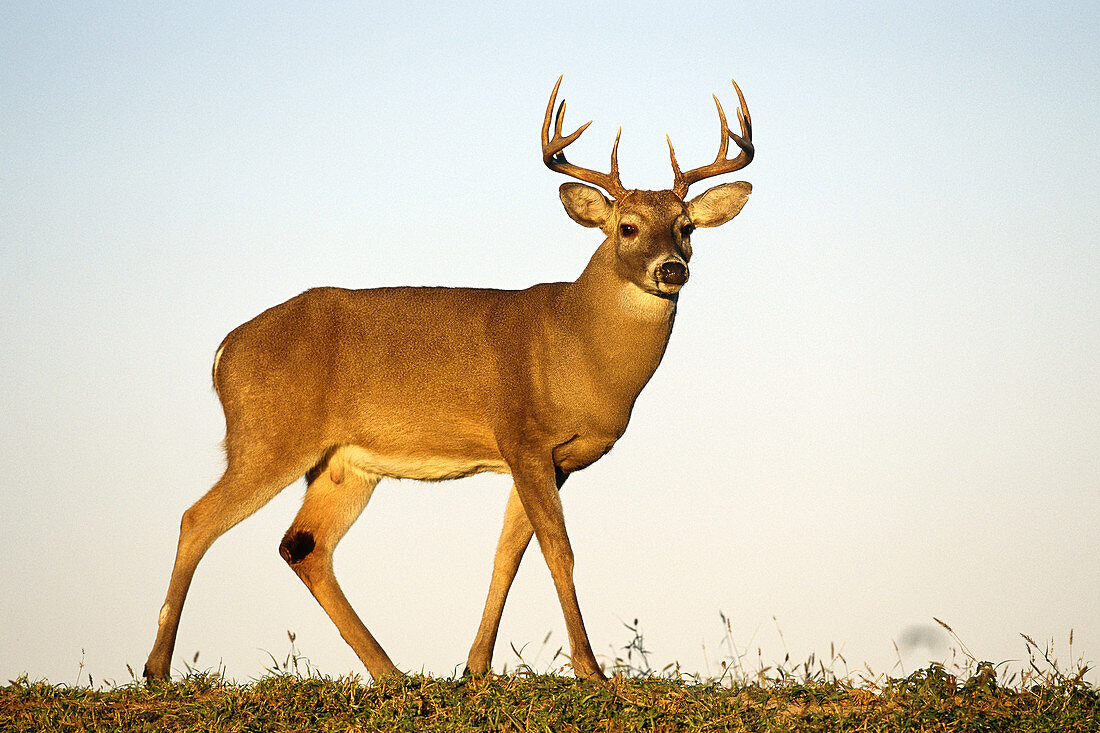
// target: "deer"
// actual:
[[347, 387]]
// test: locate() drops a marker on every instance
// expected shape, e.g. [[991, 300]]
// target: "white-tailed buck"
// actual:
[[352, 386]]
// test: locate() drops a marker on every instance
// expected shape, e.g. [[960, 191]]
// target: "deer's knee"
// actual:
[[559, 557], [296, 546]]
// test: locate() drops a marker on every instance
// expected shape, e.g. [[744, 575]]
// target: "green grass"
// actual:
[[929, 700], [806, 697]]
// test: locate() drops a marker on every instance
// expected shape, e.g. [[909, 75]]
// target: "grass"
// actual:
[[967, 696]]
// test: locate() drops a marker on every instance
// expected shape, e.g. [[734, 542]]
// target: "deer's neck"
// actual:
[[623, 328]]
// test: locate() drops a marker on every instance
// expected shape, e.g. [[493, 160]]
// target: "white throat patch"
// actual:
[[644, 305]]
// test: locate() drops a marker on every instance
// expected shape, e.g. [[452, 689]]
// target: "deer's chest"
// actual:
[[581, 451]]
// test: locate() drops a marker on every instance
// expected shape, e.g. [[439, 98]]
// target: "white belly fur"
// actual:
[[422, 468]]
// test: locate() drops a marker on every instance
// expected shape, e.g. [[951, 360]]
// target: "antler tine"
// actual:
[[553, 150], [721, 164], [743, 114], [672, 156], [723, 136], [615, 158]]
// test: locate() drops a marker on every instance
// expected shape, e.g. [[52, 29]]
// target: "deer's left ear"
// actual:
[[718, 205]]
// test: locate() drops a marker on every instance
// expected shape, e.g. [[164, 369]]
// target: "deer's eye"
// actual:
[[687, 230], [628, 230]]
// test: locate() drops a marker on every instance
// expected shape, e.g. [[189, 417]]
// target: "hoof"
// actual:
[[592, 675], [151, 676]]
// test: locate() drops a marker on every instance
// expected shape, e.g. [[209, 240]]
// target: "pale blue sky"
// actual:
[[881, 402]]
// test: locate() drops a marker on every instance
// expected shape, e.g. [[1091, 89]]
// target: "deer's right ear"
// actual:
[[585, 205]]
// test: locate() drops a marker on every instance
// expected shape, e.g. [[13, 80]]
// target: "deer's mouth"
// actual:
[[670, 276]]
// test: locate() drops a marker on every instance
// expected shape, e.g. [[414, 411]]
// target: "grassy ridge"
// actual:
[[931, 699], [968, 696]]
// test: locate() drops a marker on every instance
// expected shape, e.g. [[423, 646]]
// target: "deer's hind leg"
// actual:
[[247, 484], [336, 496]]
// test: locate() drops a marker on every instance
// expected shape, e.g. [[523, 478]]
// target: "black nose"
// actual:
[[672, 273]]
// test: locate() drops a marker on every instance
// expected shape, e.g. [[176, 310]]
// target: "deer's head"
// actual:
[[650, 230]]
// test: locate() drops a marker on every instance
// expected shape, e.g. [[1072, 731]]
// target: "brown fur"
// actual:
[[351, 386]]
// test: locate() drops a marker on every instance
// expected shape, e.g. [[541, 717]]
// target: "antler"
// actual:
[[721, 164], [554, 157]]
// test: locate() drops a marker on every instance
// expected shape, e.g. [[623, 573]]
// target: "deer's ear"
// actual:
[[584, 204], [718, 205]]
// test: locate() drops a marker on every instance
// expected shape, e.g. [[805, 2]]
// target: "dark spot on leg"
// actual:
[[296, 546]]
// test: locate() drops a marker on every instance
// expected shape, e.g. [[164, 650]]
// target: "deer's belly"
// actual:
[[420, 466]]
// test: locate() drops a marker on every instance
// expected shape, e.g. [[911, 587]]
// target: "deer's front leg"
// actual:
[[514, 538], [537, 488]]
